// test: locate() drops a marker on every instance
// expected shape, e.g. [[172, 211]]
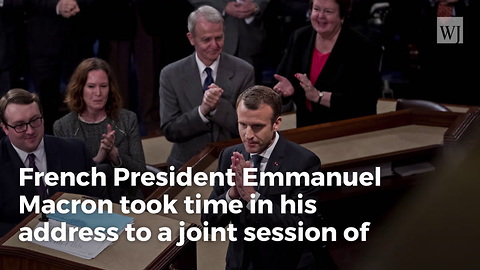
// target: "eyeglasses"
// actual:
[[34, 123]]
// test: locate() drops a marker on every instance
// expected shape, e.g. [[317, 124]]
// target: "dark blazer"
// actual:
[[441, 74], [11, 26], [52, 35], [351, 73], [63, 155], [286, 157], [181, 93], [56, 45], [121, 22]]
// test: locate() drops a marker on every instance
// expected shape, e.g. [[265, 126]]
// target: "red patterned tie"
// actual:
[[42, 189], [444, 10]]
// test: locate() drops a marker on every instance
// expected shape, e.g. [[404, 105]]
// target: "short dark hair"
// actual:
[[18, 96], [74, 95], [257, 95]]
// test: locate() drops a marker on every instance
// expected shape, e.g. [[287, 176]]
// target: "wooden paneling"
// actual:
[[122, 254]]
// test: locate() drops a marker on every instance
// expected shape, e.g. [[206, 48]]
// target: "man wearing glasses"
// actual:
[[22, 121]]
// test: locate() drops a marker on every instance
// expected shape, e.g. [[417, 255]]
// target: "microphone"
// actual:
[[43, 217], [42, 189]]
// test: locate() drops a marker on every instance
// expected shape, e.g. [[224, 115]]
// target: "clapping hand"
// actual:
[[107, 144], [284, 87], [240, 190], [68, 8], [241, 9], [211, 97], [311, 93]]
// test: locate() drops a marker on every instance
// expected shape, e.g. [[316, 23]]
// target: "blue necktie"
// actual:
[[257, 160], [208, 80]]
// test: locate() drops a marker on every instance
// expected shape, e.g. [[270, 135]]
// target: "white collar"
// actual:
[[267, 152], [39, 152], [201, 66]]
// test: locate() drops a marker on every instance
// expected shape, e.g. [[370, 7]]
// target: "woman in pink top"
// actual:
[[330, 71]]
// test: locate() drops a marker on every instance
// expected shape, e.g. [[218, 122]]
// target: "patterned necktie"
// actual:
[[444, 10], [42, 189], [208, 80]]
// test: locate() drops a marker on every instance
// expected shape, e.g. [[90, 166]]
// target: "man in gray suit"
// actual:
[[197, 108], [245, 34]]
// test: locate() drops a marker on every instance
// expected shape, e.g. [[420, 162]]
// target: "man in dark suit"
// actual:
[[194, 113], [12, 47], [60, 35], [22, 122], [259, 109]]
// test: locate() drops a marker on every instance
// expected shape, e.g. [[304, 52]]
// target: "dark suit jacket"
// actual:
[[56, 45], [442, 75], [11, 23], [51, 35], [121, 22], [181, 93], [286, 157], [63, 155], [351, 73]]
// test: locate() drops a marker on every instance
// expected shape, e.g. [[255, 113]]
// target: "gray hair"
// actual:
[[209, 13]]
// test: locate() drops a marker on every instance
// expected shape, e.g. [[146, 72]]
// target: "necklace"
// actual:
[[91, 122]]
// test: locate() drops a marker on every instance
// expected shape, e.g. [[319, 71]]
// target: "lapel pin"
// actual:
[[275, 163]]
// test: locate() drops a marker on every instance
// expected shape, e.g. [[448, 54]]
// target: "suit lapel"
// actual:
[[15, 159], [54, 164], [224, 78], [307, 57], [14, 166], [192, 82], [225, 73], [276, 159], [333, 68], [275, 162]]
